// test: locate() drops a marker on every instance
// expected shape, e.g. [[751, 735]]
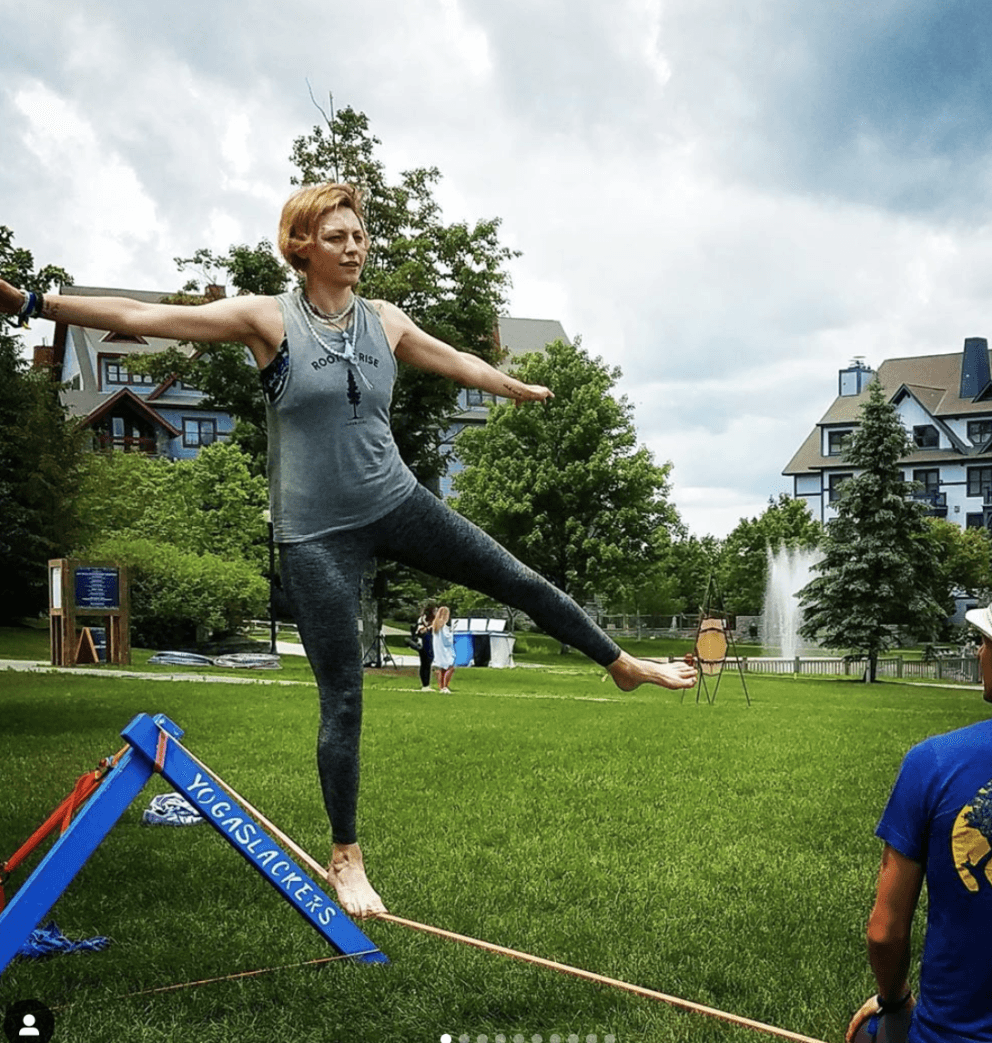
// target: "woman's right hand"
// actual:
[[11, 299]]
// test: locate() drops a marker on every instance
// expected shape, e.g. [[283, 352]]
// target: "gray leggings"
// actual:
[[322, 579]]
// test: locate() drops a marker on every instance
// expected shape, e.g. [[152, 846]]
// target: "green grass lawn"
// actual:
[[719, 853]]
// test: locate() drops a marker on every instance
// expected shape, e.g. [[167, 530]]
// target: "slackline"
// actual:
[[538, 961]]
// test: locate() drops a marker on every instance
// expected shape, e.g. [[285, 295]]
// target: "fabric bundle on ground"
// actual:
[[48, 940], [171, 809]]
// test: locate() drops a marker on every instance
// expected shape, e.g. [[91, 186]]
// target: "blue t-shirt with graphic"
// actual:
[[940, 815]]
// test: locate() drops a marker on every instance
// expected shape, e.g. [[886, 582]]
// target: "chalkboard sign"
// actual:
[[97, 587]]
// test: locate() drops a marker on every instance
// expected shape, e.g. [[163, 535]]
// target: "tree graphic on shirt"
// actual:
[[354, 395], [980, 816]]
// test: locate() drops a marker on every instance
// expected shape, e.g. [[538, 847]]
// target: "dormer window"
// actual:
[[115, 374], [837, 442], [925, 436], [979, 431]]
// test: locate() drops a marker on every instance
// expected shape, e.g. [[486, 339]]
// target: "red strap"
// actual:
[[61, 816]]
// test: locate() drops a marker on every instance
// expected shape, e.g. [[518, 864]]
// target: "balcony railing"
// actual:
[[936, 502], [148, 446]]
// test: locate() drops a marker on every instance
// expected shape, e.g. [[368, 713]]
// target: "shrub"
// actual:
[[174, 592]]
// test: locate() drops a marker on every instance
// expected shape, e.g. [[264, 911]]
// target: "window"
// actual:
[[979, 480], [836, 481], [114, 373], [925, 436], [928, 478], [478, 398], [836, 442], [979, 431], [198, 432], [973, 521]]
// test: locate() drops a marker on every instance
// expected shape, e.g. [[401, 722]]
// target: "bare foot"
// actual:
[[356, 896], [628, 673]]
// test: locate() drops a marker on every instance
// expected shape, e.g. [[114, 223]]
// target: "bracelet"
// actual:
[[31, 308], [891, 1006]]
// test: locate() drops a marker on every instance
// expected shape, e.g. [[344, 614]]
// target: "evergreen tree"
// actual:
[[564, 486], [878, 568]]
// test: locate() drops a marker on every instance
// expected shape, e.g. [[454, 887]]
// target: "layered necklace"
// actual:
[[339, 322]]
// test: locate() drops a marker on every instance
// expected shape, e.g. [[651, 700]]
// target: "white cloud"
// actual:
[[103, 208]]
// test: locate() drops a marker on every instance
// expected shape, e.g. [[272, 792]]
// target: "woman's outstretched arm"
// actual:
[[411, 344], [254, 321]]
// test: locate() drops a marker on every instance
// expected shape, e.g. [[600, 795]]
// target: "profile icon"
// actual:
[[28, 1021], [28, 1029]]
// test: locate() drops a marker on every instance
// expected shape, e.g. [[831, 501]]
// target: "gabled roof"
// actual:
[[929, 399], [521, 336], [934, 381], [138, 405]]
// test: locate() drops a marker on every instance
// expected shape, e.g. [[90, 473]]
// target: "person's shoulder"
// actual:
[[952, 745], [386, 310], [249, 304]]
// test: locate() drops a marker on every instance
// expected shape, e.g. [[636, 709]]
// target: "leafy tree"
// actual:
[[743, 568], [878, 569], [250, 269], [963, 558], [564, 485], [690, 562], [40, 454], [178, 595], [209, 505]]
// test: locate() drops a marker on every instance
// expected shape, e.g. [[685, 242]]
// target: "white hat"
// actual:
[[981, 619]]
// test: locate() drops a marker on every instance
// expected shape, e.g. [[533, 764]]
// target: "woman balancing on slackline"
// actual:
[[340, 494]]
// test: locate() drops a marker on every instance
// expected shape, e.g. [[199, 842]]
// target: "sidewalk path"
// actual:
[[37, 667], [236, 677]]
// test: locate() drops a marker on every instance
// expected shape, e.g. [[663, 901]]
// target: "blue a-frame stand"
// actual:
[[154, 747]]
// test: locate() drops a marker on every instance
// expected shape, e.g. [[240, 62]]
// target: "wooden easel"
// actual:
[[713, 638]]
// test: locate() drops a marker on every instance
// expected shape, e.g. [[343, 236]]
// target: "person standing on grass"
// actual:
[[937, 826], [425, 635], [444, 647], [339, 492]]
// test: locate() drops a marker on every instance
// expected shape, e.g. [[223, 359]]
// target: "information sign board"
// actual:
[[97, 587]]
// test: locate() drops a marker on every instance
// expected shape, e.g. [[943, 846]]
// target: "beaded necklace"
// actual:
[[347, 333]]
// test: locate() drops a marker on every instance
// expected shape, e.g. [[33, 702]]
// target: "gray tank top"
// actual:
[[332, 460]]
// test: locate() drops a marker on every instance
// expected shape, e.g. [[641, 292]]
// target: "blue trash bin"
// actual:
[[463, 649]]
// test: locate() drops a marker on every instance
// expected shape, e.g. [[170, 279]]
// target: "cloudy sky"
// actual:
[[729, 201]]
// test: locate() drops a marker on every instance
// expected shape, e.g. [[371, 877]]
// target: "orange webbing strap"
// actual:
[[160, 748], [61, 816]]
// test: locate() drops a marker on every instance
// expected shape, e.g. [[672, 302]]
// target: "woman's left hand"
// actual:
[[532, 393]]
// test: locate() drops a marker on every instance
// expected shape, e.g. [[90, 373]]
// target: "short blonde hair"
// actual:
[[302, 212]]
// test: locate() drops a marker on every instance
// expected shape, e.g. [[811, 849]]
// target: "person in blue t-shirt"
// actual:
[[937, 826]]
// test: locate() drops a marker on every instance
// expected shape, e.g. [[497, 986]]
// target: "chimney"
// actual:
[[44, 355], [975, 375]]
